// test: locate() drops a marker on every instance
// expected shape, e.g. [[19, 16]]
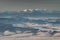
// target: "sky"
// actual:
[[17, 5]]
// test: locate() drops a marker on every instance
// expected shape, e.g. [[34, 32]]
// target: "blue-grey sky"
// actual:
[[15, 5]]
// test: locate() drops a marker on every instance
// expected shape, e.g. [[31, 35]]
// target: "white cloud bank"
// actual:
[[7, 33]]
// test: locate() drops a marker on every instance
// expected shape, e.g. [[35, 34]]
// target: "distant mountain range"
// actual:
[[33, 20]]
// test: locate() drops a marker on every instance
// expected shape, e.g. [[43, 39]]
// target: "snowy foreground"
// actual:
[[29, 36]]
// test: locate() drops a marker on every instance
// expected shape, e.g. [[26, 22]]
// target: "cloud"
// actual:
[[57, 35], [7, 33], [6, 17], [41, 18], [43, 34], [28, 24], [18, 25]]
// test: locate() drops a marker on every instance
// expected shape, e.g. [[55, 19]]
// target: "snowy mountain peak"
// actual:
[[28, 10], [33, 10]]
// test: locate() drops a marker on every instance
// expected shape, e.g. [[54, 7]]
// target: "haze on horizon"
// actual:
[[15, 5]]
